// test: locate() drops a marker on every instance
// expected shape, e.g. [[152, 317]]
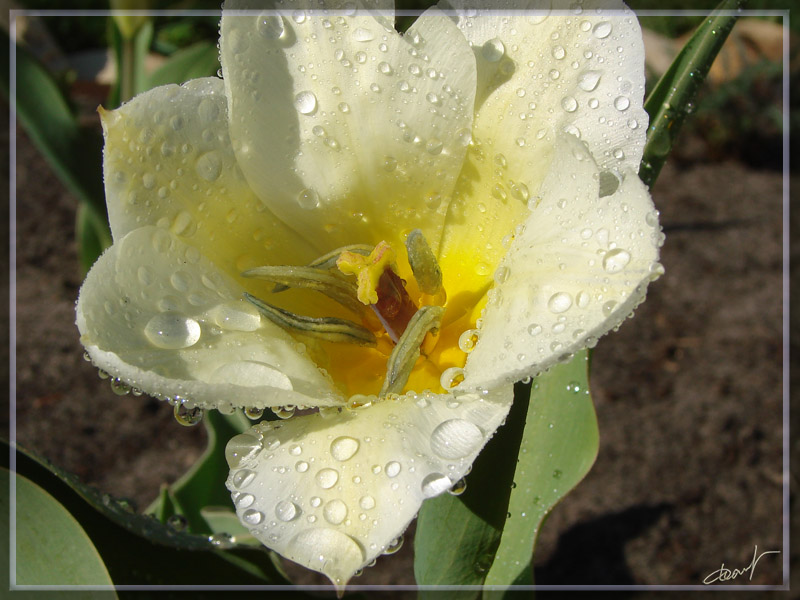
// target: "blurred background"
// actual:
[[688, 394]]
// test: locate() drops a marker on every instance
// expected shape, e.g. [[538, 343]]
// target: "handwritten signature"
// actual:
[[725, 574]]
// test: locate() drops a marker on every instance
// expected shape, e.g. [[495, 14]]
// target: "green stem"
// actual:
[[127, 70]]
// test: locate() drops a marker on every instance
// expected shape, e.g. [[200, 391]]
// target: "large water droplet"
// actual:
[[250, 373], [337, 551], [602, 29], [236, 316], [559, 302], [363, 35], [306, 103], [172, 331], [241, 448], [493, 50], [335, 512], [588, 80], [209, 166], [188, 417], [243, 478], [435, 484], [252, 517], [456, 438], [569, 104], [367, 502], [244, 500], [308, 199], [343, 448], [287, 510], [621, 103], [270, 26], [616, 260], [392, 468], [327, 478]]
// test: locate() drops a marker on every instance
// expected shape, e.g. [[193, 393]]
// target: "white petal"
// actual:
[[168, 161], [579, 68], [345, 128], [332, 493], [157, 314], [578, 269]]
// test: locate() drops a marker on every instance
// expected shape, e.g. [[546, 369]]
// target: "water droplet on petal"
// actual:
[[335, 512], [287, 511], [343, 448], [209, 166], [270, 26], [306, 103], [241, 448], [493, 50], [172, 331], [569, 104], [456, 438], [588, 80], [394, 546], [602, 29], [621, 103], [327, 478], [367, 502], [392, 469], [188, 417], [616, 260], [308, 199], [243, 478], [559, 302], [435, 484]]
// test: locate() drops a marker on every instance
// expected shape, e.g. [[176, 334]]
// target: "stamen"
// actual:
[[329, 329], [328, 261], [423, 263], [332, 285], [407, 351]]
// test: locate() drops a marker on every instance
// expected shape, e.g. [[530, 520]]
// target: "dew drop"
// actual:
[[172, 331], [252, 517], [343, 448], [188, 417], [459, 487], [308, 199], [435, 484], [335, 512], [588, 80], [456, 438], [559, 302], [534, 329], [394, 546], [363, 35], [242, 478], [286, 511], [392, 468], [327, 478], [385, 68], [306, 103], [621, 103], [209, 166], [616, 260], [244, 500], [241, 448], [468, 340], [602, 29], [493, 50], [301, 466], [270, 26], [569, 104], [559, 52], [367, 502]]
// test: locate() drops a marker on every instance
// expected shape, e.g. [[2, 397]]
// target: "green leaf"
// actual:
[[74, 152], [136, 548], [51, 546], [457, 536], [198, 60], [668, 103], [204, 484], [558, 448]]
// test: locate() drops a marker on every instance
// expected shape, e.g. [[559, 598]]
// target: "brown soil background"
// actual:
[[688, 394]]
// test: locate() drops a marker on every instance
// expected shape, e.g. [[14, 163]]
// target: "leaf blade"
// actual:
[[558, 448], [667, 103]]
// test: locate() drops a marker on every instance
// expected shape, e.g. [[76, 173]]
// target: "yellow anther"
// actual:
[[367, 269]]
